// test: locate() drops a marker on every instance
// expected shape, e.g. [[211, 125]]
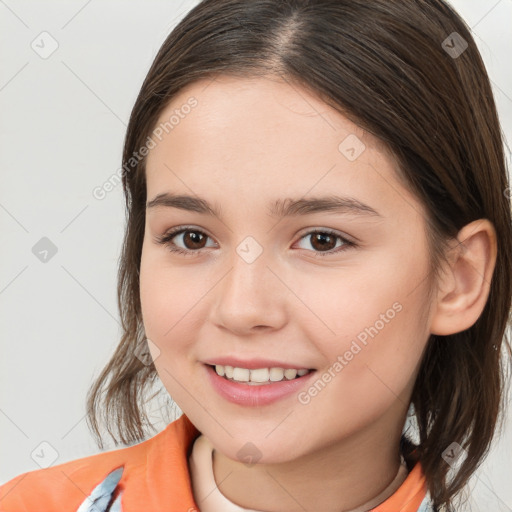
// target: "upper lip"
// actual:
[[253, 364]]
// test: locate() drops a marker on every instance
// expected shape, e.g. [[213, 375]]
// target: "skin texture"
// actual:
[[248, 142]]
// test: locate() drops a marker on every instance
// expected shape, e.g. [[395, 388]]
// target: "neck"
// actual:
[[340, 476]]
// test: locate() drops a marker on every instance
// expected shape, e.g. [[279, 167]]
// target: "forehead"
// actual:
[[267, 136], [260, 108]]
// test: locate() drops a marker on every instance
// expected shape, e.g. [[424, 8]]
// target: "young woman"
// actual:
[[316, 258]]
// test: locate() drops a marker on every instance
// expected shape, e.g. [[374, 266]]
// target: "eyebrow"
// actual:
[[279, 208]]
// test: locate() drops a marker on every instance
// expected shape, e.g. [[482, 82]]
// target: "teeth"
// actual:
[[290, 374], [276, 374], [260, 375], [241, 374]]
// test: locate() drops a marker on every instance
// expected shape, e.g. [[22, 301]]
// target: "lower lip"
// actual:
[[254, 396]]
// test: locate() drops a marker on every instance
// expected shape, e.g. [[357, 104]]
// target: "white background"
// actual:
[[62, 125]]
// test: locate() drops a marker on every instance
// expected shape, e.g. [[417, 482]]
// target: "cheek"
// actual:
[[344, 303], [164, 305], [172, 301], [370, 367], [372, 316], [161, 297]]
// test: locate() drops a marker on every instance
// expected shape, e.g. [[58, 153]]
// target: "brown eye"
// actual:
[[322, 241], [189, 242], [194, 239], [325, 242]]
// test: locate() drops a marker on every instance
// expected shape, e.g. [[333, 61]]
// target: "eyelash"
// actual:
[[166, 238]]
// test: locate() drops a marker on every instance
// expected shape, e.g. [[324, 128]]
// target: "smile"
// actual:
[[256, 394], [259, 375]]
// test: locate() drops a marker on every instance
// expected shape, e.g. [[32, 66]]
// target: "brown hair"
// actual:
[[382, 64]]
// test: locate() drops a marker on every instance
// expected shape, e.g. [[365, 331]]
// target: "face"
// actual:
[[340, 291]]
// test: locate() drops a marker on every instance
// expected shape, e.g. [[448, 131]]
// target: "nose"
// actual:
[[250, 298]]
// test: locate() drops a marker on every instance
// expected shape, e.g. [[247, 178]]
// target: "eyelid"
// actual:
[[169, 234], [332, 231], [347, 241]]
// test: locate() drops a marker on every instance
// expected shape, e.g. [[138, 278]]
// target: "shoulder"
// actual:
[[65, 486], [69, 483], [427, 505]]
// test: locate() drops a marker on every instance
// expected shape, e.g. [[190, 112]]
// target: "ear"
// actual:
[[464, 288]]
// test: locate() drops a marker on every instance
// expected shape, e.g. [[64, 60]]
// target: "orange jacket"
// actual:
[[155, 478]]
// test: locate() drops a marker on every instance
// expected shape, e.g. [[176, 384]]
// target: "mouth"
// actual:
[[259, 376], [240, 390]]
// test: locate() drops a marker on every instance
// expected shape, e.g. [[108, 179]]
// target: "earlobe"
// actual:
[[464, 288]]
